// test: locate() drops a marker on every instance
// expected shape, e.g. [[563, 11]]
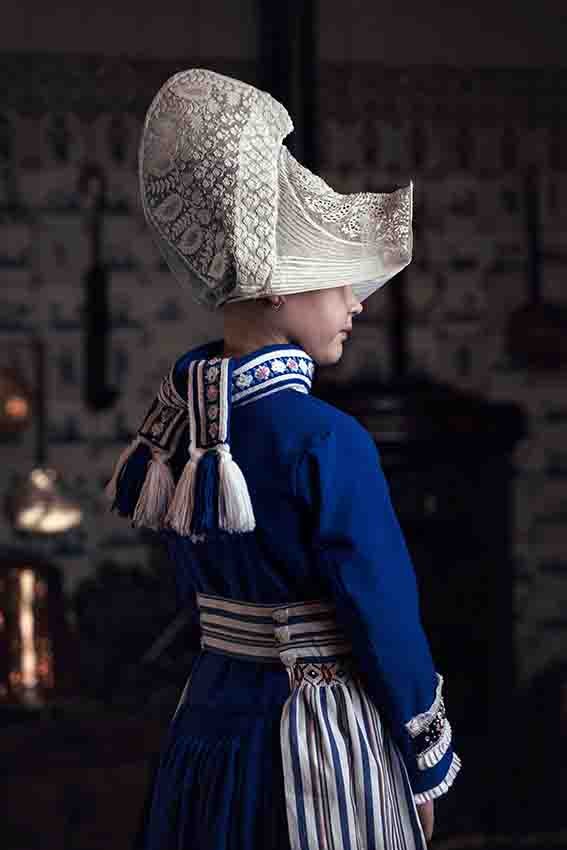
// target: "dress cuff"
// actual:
[[431, 731], [443, 786]]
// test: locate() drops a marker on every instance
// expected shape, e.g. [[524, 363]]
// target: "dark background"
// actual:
[[466, 101]]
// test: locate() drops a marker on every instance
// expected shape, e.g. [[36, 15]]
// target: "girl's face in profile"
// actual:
[[321, 321]]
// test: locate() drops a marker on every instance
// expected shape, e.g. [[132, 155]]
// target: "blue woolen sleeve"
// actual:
[[178, 553], [363, 560]]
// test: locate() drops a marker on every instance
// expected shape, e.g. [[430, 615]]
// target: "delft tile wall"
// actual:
[[59, 112], [464, 141]]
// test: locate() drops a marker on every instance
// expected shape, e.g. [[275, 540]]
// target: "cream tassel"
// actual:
[[155, 495], [110, 488], [235, 507], [180, 513]]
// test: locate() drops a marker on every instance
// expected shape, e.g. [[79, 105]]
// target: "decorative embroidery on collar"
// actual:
[[285, 368], [267, 373], [214, 385]]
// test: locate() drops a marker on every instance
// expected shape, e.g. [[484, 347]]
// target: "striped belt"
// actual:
[[346, 785]]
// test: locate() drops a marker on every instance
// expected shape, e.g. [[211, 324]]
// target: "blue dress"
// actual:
[[313, 715]]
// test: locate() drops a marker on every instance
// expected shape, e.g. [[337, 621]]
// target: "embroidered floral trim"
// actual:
[[214, 371], [166, 421], [163, 419], [265, 372], [268, 371]]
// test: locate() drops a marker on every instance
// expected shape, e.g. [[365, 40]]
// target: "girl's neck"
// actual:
[[234, 347]]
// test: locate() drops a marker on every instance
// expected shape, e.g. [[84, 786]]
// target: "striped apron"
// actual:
[[345, 783]]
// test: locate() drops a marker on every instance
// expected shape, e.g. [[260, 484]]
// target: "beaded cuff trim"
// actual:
[[431, 731], [418, 723], [435, 745]]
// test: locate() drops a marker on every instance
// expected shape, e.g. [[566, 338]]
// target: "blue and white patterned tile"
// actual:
[[115, 138], [16, 251], [64, 140], [63, 253]]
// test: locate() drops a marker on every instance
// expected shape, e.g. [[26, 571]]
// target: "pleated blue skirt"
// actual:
[[275, 745]]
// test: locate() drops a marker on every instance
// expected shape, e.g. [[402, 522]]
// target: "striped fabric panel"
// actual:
[[246, 629], [346, 785]]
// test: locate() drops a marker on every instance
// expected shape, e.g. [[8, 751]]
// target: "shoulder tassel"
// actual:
[[235, 506], [180, 513], [110, 489], [156, 493]]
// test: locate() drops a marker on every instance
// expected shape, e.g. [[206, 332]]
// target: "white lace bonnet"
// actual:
[[236, 216]]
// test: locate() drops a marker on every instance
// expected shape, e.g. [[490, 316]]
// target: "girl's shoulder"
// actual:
[[314, 420]]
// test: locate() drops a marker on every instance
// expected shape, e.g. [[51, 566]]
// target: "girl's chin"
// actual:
[[334, 353]]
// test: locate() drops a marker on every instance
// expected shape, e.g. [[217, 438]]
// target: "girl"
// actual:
[[313, 716]]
